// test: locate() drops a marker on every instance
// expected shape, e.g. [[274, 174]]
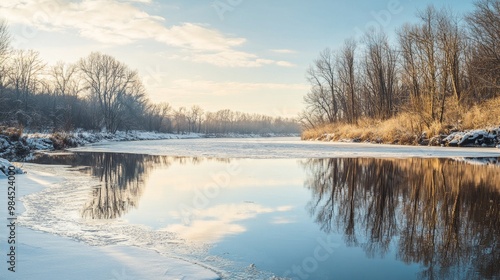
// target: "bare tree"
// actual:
[[484, 25], [347, 72], [180, 120], [425, 38], [4, 50], [110, 82], [323, 77], [195, 118], [66, 86], [431, 50], [323, 102], [451, 48], [132, 105], [158, 117], [26, 68], [410, 79], [380, 61]]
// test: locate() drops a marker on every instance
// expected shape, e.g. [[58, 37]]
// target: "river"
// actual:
[[263, 208]]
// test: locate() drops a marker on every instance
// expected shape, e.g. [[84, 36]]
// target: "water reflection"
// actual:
[[122, 178], [441, 213]]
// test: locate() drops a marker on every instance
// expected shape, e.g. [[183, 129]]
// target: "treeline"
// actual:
[[439, 67], [101, 93]]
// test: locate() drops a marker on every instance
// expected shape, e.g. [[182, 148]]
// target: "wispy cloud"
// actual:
[[284, 51], [225, 88], [127, 23], [230, 58]]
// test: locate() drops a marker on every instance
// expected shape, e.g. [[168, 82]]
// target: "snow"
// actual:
[[4, 165], [30, 143], [485, 138], [42, 255], [287, 147], [25, 148], [41, 141], [480, 161]]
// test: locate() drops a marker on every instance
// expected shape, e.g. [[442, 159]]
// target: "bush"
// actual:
[[61, 141], [13, 133]]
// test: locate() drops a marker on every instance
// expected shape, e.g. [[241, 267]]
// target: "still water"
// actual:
[[333, 218]]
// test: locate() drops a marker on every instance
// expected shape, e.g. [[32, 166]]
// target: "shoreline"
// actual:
[[287, 148], [476, 138], [27, 146], [23, 148]]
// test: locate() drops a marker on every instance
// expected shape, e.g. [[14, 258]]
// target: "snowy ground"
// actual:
[[41, 255]]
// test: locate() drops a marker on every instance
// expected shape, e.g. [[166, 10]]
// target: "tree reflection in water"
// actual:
[[122, 178], [440, 213]]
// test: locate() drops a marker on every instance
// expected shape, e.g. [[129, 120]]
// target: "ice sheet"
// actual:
[[283, 148], [51, 197]]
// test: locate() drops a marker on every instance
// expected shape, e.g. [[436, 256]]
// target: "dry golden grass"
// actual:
[[13, 133], [396, 130], [486, 115], [407, 128], [61, 140]]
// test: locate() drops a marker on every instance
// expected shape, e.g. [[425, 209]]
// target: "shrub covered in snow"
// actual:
[[474, 138], [4, 168]]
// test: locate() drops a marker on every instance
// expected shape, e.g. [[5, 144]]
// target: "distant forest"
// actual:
[[101, 93], [434, 70]]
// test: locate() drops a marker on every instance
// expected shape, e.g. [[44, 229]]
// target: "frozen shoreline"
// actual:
[[266, 148], [24, 148], [42, 254]]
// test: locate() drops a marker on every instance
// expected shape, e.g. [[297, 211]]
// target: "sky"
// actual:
[[244, 55]]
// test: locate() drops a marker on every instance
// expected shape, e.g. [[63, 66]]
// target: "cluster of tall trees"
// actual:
[[165, 119], [439, 62], [101, 93]]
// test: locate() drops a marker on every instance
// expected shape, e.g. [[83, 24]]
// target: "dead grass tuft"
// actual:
[[13, 133], [407, 128]]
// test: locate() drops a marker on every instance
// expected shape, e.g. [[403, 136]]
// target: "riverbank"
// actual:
[[401, 131], [471, 138]]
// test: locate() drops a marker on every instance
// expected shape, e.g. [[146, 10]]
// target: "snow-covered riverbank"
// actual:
[[471, 138], [23, 149]]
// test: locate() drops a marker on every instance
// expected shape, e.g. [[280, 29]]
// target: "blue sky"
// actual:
[[246, 55]]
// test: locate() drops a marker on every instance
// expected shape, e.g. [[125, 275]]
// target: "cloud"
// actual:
[[230, 58], [285, 64], [139, 1], [284, 51], [120, 22], [226, 88]]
